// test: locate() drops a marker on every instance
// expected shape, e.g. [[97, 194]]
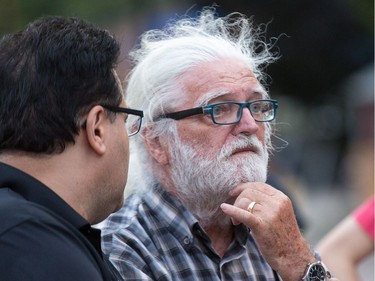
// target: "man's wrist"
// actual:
[[316, 271], [295, 270], [294, 267]]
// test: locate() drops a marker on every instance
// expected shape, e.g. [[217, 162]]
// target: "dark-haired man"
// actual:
[[63, 149]]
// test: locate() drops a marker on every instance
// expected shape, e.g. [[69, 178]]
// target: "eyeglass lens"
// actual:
[[133, 124], [231, 112]]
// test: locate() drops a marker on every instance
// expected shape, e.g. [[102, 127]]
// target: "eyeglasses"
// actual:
[[227, 113], [134, 120]]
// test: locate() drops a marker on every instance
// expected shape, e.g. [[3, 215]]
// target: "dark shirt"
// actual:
[[42, 237]]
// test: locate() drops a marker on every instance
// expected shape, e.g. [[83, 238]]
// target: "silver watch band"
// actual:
[[316, 271]]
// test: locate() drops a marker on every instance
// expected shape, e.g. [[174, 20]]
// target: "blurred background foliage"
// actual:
[[15, 14], [317, 38]]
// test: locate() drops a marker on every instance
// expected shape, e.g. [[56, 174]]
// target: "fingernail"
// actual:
[[225, 206], [222, 206]]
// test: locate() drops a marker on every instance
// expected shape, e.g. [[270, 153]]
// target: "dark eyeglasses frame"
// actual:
[[131, 111], [209, 109]]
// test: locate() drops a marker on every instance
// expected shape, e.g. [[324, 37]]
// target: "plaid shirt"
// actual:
[[154, 237]]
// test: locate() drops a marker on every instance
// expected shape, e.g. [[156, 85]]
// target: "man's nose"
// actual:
[[247, 124]]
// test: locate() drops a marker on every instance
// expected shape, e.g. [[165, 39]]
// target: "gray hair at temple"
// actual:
[[164, 55]]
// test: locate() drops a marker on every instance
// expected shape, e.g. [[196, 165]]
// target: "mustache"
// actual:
[[242, 142]]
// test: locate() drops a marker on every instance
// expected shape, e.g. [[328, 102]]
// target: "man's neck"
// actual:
[[52, 171], [221, 237]]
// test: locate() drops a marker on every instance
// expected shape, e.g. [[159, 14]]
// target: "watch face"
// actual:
[[317, 273]]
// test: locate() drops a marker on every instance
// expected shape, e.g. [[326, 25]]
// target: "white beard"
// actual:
[[203, 183]]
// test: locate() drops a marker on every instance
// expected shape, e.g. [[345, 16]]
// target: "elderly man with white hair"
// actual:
[[201, 209]]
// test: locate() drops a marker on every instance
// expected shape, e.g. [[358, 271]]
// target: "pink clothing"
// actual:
[[364, 216]]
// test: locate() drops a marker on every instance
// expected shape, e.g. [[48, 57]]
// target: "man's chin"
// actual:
[[217, 218]]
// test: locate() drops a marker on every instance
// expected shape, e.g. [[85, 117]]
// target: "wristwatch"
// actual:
[[316, 271]]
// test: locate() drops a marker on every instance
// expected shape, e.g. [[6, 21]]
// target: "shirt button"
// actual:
[[186, 240]]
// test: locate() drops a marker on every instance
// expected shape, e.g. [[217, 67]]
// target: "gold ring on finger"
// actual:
[[251, 206]]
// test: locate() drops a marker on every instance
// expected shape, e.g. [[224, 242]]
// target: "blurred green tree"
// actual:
[[15, 14]]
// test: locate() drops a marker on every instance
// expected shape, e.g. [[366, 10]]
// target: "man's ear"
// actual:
[[155, 147], [96, 129]]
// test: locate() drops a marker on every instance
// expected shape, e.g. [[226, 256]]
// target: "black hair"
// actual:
[[51, 74]]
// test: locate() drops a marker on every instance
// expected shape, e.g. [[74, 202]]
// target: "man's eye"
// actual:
[[222, 109], [217, 110], [256, 108]]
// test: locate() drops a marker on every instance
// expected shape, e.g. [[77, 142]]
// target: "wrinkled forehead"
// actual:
[[205, 98], [225, 79]]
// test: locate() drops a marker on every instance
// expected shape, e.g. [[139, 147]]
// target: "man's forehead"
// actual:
[[205, 98], [228, 78]]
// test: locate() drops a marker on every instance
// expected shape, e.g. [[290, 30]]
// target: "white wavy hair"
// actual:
[[164, 55]]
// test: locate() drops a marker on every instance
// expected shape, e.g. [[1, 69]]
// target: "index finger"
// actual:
[[239, 215], [255, 186]]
